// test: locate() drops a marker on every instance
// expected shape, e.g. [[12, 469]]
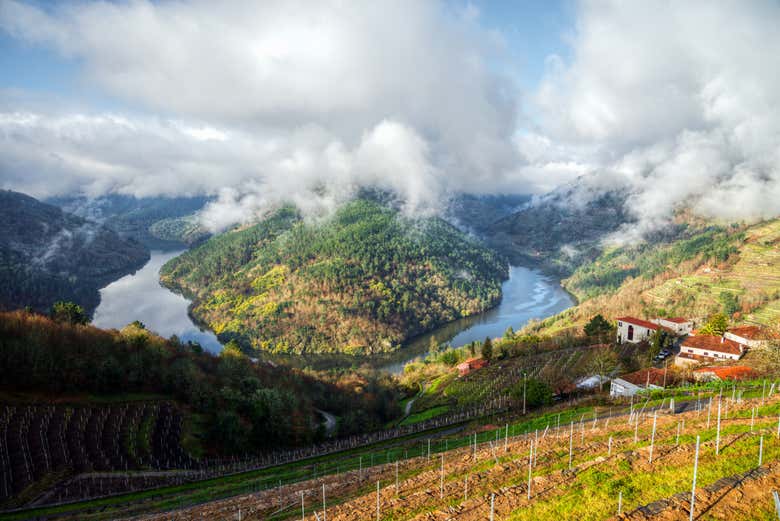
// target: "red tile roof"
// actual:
[[656, 377], [639, 322], [643, 323], [472, 363], [712, 343], [749, 332], [734, 372], [677, 320]]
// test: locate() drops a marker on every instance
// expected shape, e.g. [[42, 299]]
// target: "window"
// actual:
[[630, 332]]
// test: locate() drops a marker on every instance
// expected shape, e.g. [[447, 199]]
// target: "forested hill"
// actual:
[[238, 405], [561, 230], [48, 255], [364, 280], [157, 222]]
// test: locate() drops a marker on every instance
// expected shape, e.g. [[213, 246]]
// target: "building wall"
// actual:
[[685, 362], [640, 332], [620, 387], [715, 355], [744, 341], [681, 329]]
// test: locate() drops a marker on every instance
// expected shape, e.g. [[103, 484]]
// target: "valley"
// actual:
[[47, 255], [389, 261], [140, 296]]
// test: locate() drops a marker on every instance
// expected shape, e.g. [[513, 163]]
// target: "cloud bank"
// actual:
[[260, 100], [257, 103], [679, 100]]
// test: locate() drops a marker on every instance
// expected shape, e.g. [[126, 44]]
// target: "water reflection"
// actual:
[[141, 297], [527, 294]]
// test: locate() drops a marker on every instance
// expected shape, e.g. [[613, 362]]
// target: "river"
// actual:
[[140, 296], [527, 294]]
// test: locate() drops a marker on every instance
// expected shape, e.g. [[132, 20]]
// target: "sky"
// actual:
[[256, 103]]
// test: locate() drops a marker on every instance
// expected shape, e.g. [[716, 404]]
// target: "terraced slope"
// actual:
[[689, 277], [582, 470]]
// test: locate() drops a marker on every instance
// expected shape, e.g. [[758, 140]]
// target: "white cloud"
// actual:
[[682, 99], [271, 101], [281, 97]]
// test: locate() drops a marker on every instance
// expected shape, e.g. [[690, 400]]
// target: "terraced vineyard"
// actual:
[[693, 287], [565, 364], [754, 279], [636, 463], [56, 453]]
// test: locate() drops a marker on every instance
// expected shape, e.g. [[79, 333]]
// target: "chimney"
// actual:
[[722, 339]]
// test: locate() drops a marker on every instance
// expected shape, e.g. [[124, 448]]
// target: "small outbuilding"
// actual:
[[723, 373], [472, 364], [639, 381]]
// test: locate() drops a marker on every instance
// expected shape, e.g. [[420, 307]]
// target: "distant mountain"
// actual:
[[478, 213], [364, 280], [562, 229], [158, 222], [48, 255]]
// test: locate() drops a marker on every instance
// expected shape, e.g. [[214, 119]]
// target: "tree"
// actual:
[[228, 431], [433, 346], [598, 326], [656, 343], [716, 324], [509, 333], [604, 362], [487, 349], [537, 393], [729, 303], [68, 312], [138, 324]]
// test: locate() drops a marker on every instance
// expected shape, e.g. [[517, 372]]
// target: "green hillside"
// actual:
[[362, 281], [48, 255], [732, 269]]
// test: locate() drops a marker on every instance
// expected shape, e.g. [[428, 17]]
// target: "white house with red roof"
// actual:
[[708, 348], [681, 326], [635, 330], [750, 336]]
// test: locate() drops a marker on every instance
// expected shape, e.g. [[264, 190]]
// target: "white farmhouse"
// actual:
[[680, 326], [750, 336], [635, 330], [707, 348]]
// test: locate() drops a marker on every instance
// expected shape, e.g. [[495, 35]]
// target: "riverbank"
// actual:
[[527, 294]]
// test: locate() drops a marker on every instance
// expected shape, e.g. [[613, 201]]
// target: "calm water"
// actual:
[[528, 294], [141, 297]]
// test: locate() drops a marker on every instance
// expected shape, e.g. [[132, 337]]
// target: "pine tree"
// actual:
[[487, 349]]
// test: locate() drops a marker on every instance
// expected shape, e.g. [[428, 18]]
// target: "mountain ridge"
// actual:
[[47, 254]]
